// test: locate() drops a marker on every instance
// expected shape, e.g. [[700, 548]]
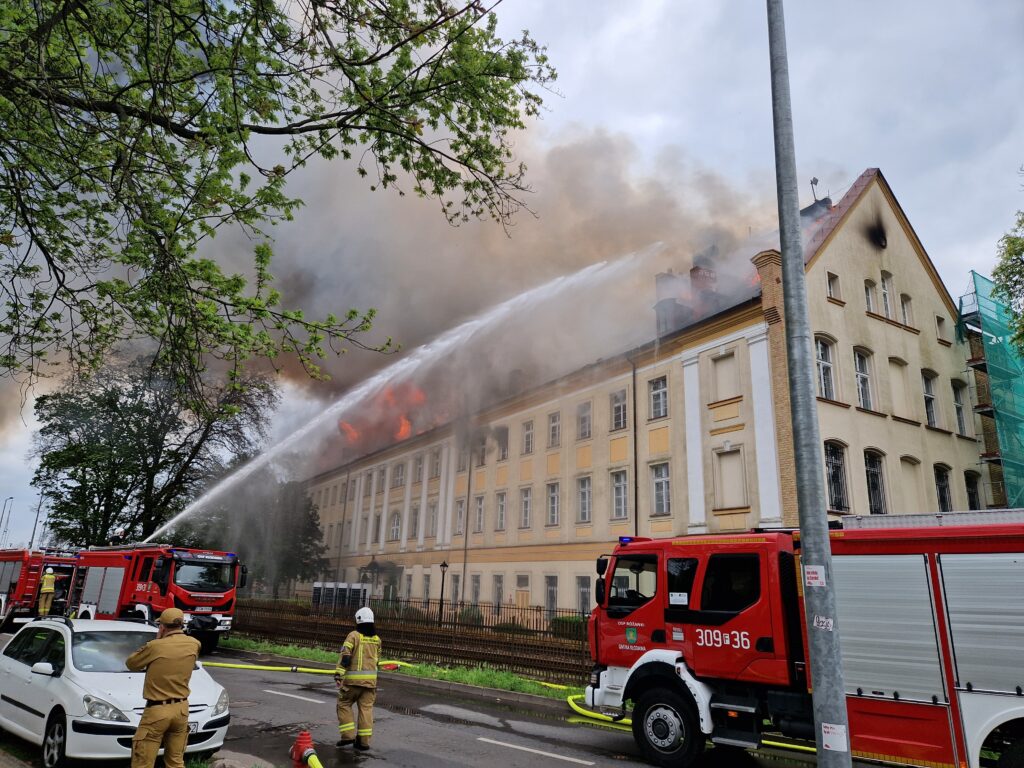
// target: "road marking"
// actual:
[[302, 698], [535, 751]]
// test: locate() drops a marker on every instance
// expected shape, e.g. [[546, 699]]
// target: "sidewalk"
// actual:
[[8, 760]]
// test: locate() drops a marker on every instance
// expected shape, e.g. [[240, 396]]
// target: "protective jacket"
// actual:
[[49, 583], [363, 653]]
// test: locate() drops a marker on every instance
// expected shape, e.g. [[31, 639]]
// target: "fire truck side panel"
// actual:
[[900, 732]]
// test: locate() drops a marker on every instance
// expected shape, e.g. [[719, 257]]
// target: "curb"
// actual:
[[7, 760], [470, 691]]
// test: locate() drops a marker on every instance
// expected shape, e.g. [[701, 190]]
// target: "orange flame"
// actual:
[[350, 432], [404, 428]]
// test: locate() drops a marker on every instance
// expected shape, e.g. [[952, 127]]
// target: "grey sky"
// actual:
[[930, 92]]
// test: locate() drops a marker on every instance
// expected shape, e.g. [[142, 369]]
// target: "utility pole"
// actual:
[[39, 506], [828, 692]]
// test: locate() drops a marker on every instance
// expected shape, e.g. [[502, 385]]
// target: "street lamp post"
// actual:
[[440, 607], [5, 512]]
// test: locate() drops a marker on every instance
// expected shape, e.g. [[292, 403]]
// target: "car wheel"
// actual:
[[55, 741], [666, 728]]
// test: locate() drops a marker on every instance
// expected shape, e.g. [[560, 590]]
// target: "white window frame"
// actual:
[[525, 507], [620, 494], [620, 416], [553, 494], [862, 372], [658, 397], [500, 500], [931, 403], [661, 490], [584, 420], [554, 429], [584, 498], [528, 437], [395, 528], [460, 517], [825, 367], [478, 514]]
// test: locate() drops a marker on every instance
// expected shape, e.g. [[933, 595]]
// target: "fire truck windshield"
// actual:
[[205, 577]]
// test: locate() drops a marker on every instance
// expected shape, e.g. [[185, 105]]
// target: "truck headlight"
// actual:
[[222, 703], [103, 710]]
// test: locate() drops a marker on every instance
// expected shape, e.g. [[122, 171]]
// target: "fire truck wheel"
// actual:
[[666, 728], [209, 641], [1013, 756], [55, 740]]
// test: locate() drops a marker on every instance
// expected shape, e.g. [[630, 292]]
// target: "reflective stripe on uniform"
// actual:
[[361, 676], [364, 732], [345, 727]]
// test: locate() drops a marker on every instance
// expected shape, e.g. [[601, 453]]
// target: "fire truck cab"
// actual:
[[141, 580], [21, 571], [705, 636]]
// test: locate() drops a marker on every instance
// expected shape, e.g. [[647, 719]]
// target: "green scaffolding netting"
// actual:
[[982, 313]]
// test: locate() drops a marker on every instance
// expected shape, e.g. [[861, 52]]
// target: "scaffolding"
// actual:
[[986, 325]]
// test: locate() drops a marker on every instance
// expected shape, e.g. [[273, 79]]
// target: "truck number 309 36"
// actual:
[[716, 638]]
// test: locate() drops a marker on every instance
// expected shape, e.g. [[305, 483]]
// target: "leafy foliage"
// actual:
[[133, 131], [121, 449], [1009, 275]]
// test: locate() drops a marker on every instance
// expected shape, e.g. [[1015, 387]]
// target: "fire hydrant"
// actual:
[[303, 753]]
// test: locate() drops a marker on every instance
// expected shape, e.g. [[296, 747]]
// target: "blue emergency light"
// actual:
[[625, 539]]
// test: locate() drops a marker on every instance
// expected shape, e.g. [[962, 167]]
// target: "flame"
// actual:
[[351, 433], [404, 428]]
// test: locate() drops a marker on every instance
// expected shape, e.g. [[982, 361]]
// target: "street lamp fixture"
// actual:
[[440, 607]]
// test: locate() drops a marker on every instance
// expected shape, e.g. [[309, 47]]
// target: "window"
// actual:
[[499, 590], [499, 511], [525, 506], [583, 421], [906, 310], [456, 587], [835, 476], [474, 589], [480, 452], [432, 519], [732, 583], [554, 429], [501, 437], [527, 437], [414, 521], [861, 367], [930, 409], [832, 286], [662, 495], [395, 529], [618, 406], [876, 482], [426, 586], [522, 581], [725, 376], [334, 495], [826, 383], [551, 593], [376, 528], [869, 295], [417, 468], [658, 400], [435, 463], [463, 462], [887, 297], [368, 484], [583, 500], [620, 497], [942, 488], [552, 504], [460, 517], [898, 379], [398, 476], [351, 491], [973, 494], [940, 328], [28, 646], [408, 586], [584, 601], [681, 573], [730, 479], [478, 518], [958, 407], [633, 583]]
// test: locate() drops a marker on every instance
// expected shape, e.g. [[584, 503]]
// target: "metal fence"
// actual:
[[535, 641]]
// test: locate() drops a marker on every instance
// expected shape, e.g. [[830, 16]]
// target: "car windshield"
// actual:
[[208, 577], [106, 651]]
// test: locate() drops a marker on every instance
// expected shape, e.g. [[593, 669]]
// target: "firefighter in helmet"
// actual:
[[356, 678], [47, 589]]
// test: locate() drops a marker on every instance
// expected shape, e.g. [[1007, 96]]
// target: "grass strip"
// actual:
[[481, 676]]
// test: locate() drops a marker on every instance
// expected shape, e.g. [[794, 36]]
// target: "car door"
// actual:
[[43, 690], [19, 695], [7, 663]]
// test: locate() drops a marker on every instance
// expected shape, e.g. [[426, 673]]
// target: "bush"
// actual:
[[471, 615], [511, 627], [570, 627]]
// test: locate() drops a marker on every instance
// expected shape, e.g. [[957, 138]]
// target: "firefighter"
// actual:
[[356, 678], [47, 590], [168, 661]]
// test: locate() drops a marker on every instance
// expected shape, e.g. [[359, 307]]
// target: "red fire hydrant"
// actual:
[[303, 753]]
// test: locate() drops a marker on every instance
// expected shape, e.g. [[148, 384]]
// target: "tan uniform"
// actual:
[[47, 588], [358, 687], [168, 662]]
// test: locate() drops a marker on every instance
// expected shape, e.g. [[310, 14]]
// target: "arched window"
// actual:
[[887, 296], [931, 408], [824, 354], [869, 295], [958, 406], [835, 476], [873, 470], [972, 481], [862, 370], [395, 528], [906, 309], [942, 492]]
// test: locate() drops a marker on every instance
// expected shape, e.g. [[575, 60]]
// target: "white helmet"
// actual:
[[49, 570], [364, 616]]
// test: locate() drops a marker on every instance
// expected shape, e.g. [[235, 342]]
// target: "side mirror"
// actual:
[[600, 591], [43, 668], [243, 579], [602, 565]]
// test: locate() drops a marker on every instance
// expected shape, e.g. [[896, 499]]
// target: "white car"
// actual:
[[64, 686]]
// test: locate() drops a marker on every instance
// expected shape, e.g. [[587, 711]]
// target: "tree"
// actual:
[[1009, 275], [131, 131], [121, 449], [272, 526]]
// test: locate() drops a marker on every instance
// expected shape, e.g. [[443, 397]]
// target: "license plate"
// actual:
[[193, 727], [204, 609]]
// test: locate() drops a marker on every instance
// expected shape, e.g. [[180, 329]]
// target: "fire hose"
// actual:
[[586, 716]]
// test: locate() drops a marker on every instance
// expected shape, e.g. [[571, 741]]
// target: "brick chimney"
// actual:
[[670, 310]]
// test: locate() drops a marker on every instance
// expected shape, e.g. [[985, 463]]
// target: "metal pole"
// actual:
[[7, 525], [39, 506], [829, 696], [440, 607]]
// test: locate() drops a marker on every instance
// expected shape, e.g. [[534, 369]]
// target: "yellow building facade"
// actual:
[[687, 434]]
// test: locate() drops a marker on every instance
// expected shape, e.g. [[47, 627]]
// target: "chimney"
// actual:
[[703, 282], [670, 313]]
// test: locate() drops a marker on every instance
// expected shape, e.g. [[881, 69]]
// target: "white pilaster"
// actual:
[[384, 511], [445, 504], [357, 521], [769, 492], [424, 484], [694, 445], [406, 502]]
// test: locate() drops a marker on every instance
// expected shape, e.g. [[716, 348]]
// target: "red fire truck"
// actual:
[[20, 572], [706, 636], [141, 580]]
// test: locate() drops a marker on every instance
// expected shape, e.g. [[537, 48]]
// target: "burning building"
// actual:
[[687, 433]]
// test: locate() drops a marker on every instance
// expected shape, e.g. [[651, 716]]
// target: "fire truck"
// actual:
[[20, 574], [706, 637], [141, 580]]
